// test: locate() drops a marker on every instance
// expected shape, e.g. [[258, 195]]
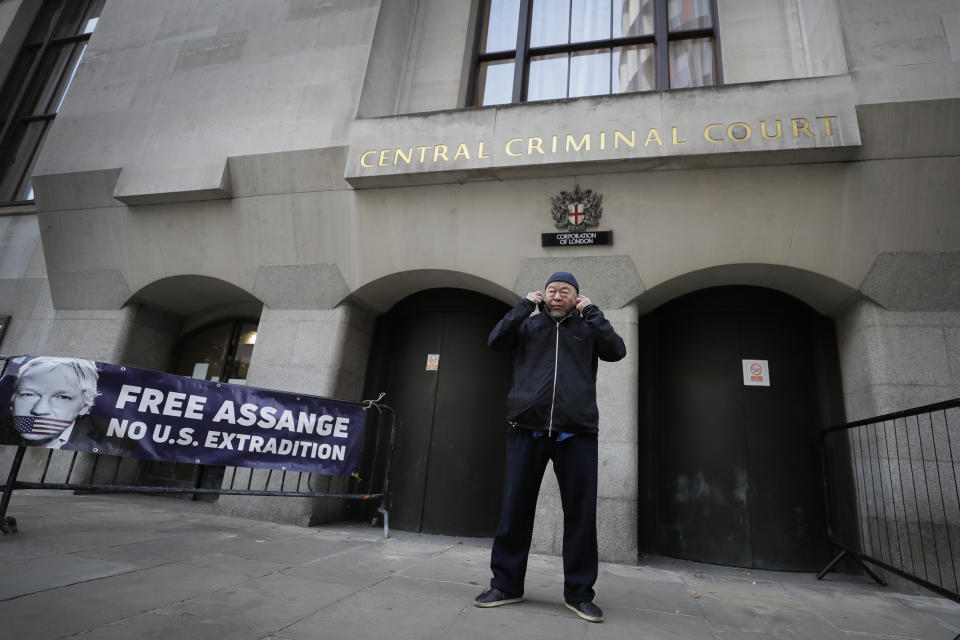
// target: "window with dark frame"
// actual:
[[36, 86], [530, 50]]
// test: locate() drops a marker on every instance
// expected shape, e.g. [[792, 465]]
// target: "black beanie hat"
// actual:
[[563, 276]]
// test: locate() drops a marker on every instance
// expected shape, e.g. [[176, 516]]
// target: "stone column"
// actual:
[[319, 352], [617, 486], [613, 284], [895, 360], [902, 471], [106, 335]]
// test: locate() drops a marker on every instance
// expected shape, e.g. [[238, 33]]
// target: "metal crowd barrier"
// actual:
[[893, 495], [80, 474]]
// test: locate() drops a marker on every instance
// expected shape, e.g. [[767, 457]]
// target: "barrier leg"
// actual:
[[833, 563], [386, 521], [859, 560], [875, 577], [9, 525]]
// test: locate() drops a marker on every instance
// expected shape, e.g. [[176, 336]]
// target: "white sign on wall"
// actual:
[[756, 373]]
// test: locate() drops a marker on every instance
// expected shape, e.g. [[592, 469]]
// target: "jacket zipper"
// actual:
[[556, 363]]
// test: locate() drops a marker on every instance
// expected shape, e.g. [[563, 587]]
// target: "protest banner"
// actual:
[[70, 403]]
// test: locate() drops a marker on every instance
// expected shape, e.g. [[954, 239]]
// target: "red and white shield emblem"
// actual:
[[576, 214], [576, 210]]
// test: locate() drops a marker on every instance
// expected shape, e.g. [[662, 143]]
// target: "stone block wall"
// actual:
[[904, 471], [315, 351], [895, 360]]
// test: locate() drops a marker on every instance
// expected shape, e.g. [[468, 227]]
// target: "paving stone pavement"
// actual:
[[121, 567]]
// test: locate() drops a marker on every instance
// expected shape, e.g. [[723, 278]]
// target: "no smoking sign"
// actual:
[[756, 373]]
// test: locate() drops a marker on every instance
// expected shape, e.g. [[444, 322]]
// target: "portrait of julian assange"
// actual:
[[49, 403]]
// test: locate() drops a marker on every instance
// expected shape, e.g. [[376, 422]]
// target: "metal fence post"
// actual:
[[9, 525]]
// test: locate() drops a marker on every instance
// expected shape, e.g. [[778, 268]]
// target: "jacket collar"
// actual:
[[543, 311]]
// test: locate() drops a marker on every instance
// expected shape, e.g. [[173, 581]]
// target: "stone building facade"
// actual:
[[323, 169]]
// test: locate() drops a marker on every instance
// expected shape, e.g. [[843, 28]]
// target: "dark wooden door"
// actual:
[[737, 467], [449, 461]]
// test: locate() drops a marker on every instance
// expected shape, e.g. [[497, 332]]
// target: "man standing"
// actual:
[[552, 413]]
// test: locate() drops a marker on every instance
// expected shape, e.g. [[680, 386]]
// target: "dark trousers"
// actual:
[[575, 464]]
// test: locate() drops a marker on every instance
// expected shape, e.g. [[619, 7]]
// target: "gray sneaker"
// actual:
[[586, 610], [493, 597]]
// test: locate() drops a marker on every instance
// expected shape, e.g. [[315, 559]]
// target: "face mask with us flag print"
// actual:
[[40, 425]]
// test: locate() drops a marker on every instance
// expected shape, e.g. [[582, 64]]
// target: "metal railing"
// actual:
[[82, 471], [893, 495]]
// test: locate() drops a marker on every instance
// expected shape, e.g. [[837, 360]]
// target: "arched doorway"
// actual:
[[219, 351], [208, 328], [430, 355], [732, 467]]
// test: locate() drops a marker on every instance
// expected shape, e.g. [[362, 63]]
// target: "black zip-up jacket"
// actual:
[[555, 366]]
